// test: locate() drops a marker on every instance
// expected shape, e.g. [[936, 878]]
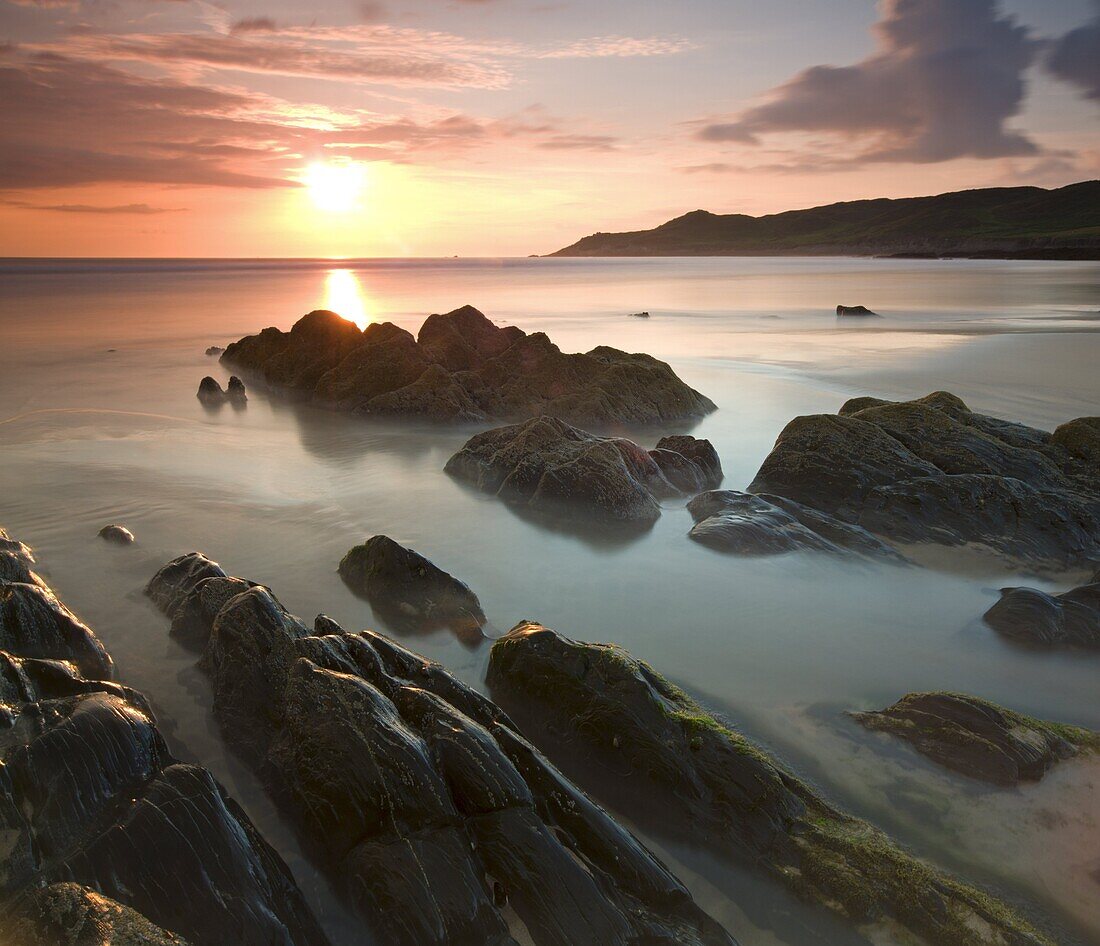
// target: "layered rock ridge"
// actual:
[[430, 809], [106, 834], [462, 368]]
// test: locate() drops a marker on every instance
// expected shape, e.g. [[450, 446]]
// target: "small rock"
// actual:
[[210, 392], [408, 590], [639, 315], [978, 738], [214, 350], [235, 390], [1030, 616], [854, 310], [119, 535]]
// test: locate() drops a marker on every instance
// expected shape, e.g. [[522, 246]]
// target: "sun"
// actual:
[[334, 188]]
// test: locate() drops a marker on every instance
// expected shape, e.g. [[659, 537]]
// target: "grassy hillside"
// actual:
[[1001, 221]]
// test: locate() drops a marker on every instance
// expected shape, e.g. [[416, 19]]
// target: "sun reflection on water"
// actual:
[[344, 296]]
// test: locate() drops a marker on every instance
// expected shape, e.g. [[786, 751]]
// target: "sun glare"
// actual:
[[334, 188], [344, 296]]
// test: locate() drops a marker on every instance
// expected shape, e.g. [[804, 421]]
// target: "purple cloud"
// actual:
[[1075, 58]]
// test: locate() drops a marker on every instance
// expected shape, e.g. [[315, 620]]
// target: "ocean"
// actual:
[[99, 423]]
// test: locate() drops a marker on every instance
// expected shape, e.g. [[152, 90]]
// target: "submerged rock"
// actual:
[[551, 467], [854, 310], [931, 470], [119, 535], [713, 786], [1034, 617], [978, 738], [108, 839], [462, 368], [744, 524], [408, 591], [425, 803]]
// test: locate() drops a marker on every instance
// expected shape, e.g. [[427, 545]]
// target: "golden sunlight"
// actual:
[[334, 188], [344, 296]]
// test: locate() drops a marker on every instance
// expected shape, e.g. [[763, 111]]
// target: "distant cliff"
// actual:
[[996, 222]]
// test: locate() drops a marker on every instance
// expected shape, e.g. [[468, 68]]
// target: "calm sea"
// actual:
[[100, 361]]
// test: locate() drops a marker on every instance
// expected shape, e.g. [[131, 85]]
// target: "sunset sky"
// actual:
[[508, 127]]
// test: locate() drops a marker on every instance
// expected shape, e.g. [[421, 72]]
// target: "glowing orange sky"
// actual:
[[506, 127]]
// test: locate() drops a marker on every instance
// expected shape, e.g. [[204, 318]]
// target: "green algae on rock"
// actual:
[[726, 793]]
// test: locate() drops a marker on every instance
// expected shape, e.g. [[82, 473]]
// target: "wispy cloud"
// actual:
[[110, 209], [947, 77]]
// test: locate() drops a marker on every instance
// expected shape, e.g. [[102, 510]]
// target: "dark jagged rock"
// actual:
[[1034, 617], [214, 350], [94, 809], [212, 395], [711, 784], [550, 467], [178, 578], [854, 310], [33, 623], [118, 535], [210, 392], [235, 389], [978, 738], [745, 524], [931, 470], [408, 591], [16, 561], [462, 368], [428, 807], [67, 914]]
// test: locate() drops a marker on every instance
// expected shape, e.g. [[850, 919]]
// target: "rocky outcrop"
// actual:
[[214, 350], [1030, 616], [421, 797], [68, 914], [744, 524], [212, 395], [117, 535], [129, 844], [408, 591], [713, 786], [462, 368], [549, 467], [931, 470], [854, 310], [978, 738]]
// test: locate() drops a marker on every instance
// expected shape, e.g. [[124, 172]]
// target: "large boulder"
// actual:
[[745, 524], [711, 784], [978, 738], [108, 839], [430, 810], [1030, 616], [408, 591], [550, 467], [462, 368], [931, 470]]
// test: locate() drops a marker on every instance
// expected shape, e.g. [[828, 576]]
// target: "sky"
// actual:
[[354, 128]]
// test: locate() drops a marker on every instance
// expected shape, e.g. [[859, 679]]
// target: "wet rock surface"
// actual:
[[931, 470], [410, 592], [744, 524], [420, 796], [716, 789], [67, 914], [117, 535], [146, 849], [1030, 616], [552, 468], [978, 738], [462, 368]]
